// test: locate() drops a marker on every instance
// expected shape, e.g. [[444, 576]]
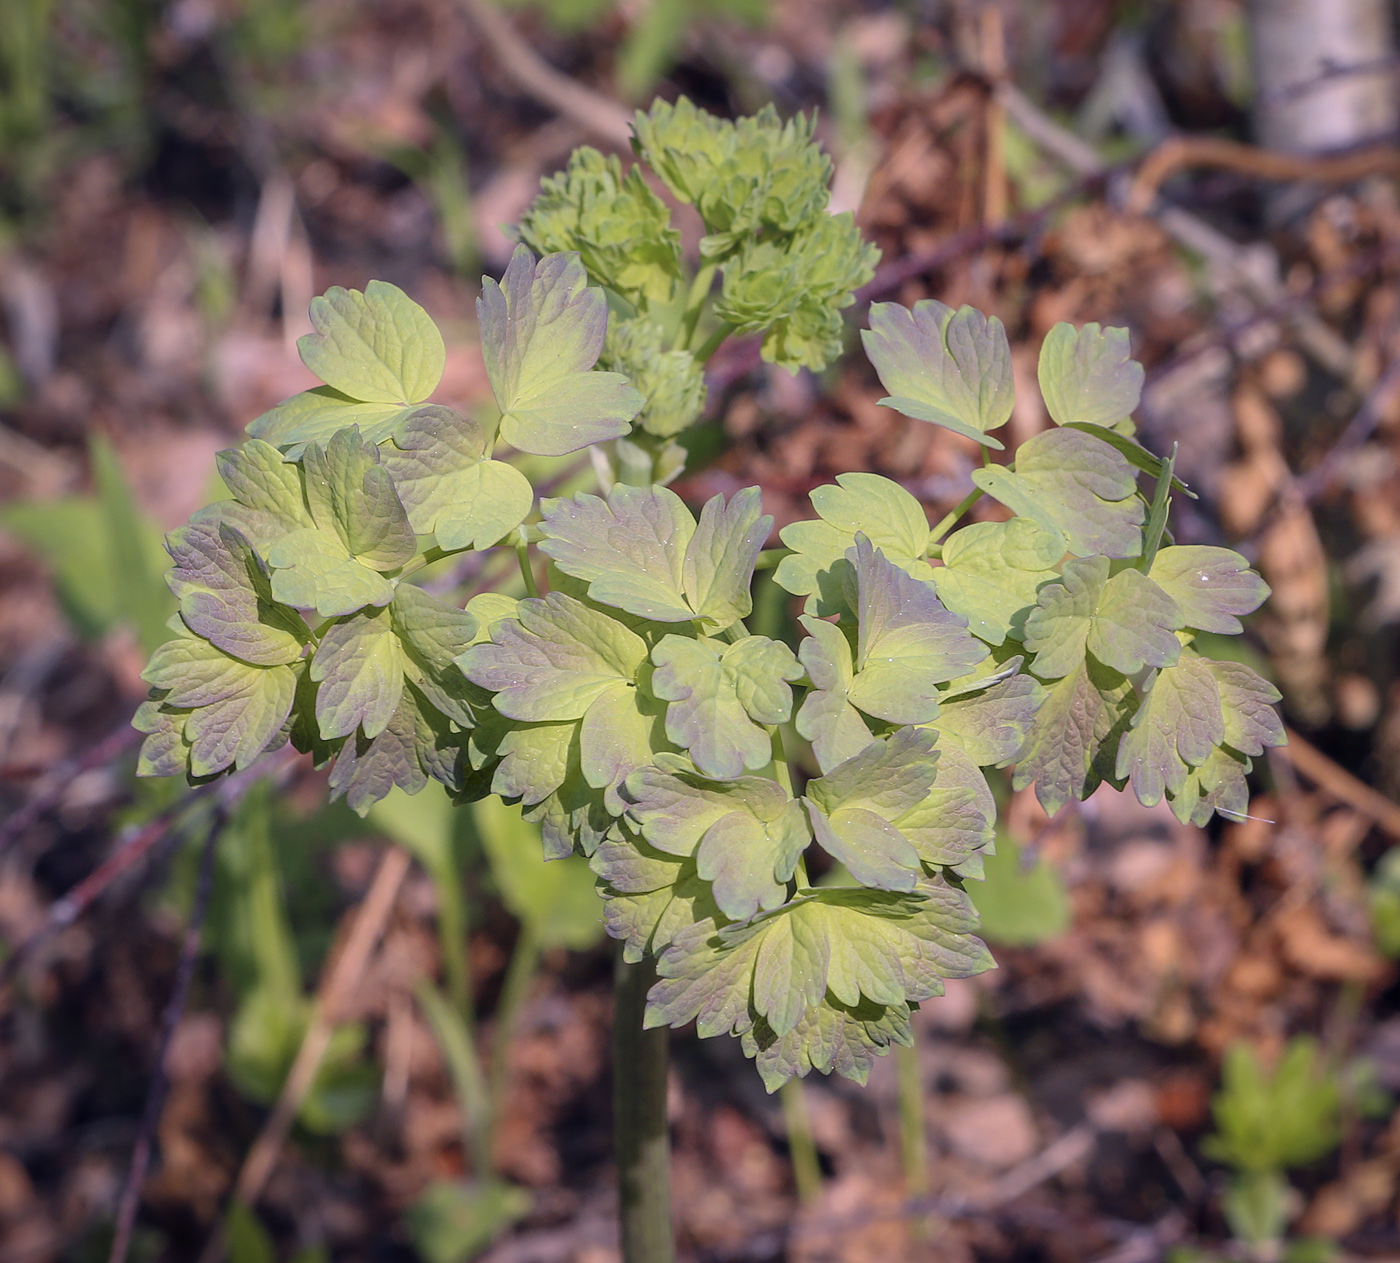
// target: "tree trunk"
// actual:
[[1301, 104]]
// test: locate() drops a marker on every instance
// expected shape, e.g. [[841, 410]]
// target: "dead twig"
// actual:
[[1340, 784], [130, 851], [1360, 428], [603, 118], [50, 791], [1188, 230], [174, 1010], [342, 975], [1180, 153]]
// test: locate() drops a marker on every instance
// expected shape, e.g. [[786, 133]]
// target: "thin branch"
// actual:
[[1335, 780], [1360, 428], [50, 791], [1180, 153], [155, 1093], [131, 850], [595, 113]]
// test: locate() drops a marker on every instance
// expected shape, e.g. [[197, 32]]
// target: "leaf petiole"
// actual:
[[770, 558], [712, 343], [527, 571], [950, 519], [695, 304]]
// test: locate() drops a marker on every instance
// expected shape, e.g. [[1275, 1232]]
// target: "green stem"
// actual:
[[806, 1166], [520, 973], [695, 303], [712, 343], [459, 1050], [527, 571], [639, 1120], [415, 564], [950, 519], [770, 558], [452, 939], [913, 1144]]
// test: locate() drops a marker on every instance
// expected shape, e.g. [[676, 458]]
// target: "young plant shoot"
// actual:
[[628, 707]]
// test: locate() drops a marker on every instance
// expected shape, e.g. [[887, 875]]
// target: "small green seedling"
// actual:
[[1267, 1123], [630, 711]]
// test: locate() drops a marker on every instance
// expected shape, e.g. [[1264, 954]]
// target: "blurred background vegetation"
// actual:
[[395, 1041]]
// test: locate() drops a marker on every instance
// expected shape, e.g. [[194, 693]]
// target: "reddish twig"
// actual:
[[130, 852], [49, 793], [174, 1010]]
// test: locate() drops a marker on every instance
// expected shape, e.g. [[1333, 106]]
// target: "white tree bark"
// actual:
[[1302, 106]]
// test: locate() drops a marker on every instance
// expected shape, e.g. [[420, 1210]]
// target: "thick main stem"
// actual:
[[639, 1121]]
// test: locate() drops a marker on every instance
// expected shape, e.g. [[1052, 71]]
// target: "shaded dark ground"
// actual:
[[158, 263]]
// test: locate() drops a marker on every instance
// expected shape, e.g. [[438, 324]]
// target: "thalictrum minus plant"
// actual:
[[629, 709]]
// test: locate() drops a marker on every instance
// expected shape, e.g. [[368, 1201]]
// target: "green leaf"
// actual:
[[1137, 455], [992, 725], [448, 487], [378, 346], [319, 414], [856, 946], [452, 1222], [641, 551], [360, 530], [351, 492], [1076, 487], [411, 747], [542, 330], [885, 812], [621, 731], [827, 717], [719, 697], [830, 1037], [1251, 722], [746, 835], [1177, 725], [908, 643], [359, 667], [225, 594], [554, 660], [233, 709], [1213, 587], [648, 895], [432, 636], [1268, 1120], [862, 504], [1125, 620], [313, 570], [555, 900], [164, 752], [950, 368], [1088, 375], [620, 228], [1075, 736], [260, 479], [1019, 906], [992, 571], [1218, 786]]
